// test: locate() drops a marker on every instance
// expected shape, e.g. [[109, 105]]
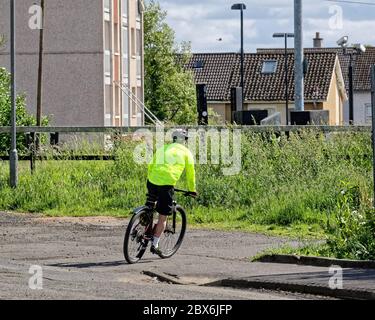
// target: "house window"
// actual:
[[368, 113], [269, 67], [198, 65]]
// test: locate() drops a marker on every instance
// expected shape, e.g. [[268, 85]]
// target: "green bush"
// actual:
[[352, 233], [23, 118]]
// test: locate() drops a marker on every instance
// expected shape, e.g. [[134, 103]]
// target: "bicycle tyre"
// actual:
[[127, 240], [181, 211]]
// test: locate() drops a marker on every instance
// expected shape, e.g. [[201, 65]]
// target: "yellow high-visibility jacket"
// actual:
[[169, 163]]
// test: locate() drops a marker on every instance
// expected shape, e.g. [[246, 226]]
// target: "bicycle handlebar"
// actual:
[[186, 193]]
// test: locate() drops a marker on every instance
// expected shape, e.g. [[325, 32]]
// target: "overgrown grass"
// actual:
[[287, 185]]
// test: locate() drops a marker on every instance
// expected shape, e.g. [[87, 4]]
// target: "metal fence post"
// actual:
[[13, 148], [373, 121]]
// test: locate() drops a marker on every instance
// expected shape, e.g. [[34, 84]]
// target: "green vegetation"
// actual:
[[169, 90], [289, 186], [350, 234], [23, 117]]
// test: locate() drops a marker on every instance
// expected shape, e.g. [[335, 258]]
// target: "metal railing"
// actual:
[[274, 120], [125, 130], [140, 105]]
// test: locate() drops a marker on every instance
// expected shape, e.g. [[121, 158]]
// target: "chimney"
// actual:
[[318, 41]]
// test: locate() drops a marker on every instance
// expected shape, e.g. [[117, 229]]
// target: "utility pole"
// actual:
[[13, 148], [39, 99], [299, 56], [351, 92]]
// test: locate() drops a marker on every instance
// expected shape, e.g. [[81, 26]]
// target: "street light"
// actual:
[[358, 49], [285, 36], [13, 156], [241, 7]]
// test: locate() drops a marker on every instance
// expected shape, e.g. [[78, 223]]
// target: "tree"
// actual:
[[169, 89], [23, 117]]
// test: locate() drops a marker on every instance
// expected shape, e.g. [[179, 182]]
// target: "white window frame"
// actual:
[[265, 66], [368, 113]]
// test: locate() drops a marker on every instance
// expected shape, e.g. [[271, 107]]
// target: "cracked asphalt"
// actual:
[[81, 258]]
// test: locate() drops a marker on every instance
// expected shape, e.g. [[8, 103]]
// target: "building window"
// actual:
[[124, 7], [139, 42], [108, 105], [134, 104], [107, 63], [139, 68], [107, 35], [125, 110], [140, 93], [125, 53], [269, 67], [368, 113], [116, 37], [133, 44], [107, 10], [139, 9], [107, 5]]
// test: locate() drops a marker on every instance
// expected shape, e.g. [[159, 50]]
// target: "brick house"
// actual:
[[265, 84]]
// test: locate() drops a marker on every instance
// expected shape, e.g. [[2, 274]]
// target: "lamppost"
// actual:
[[357, 50], [241, 7], [13, 157], [285, 36]]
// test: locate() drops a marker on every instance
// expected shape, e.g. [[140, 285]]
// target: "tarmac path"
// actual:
[[81, 258]]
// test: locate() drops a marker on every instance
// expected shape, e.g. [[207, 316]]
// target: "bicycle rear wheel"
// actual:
[[174, 233], [135, 241]]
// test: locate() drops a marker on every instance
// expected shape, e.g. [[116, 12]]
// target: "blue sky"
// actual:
[[204, 21]]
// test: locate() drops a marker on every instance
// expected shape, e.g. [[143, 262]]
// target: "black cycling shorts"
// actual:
[[164, 197]]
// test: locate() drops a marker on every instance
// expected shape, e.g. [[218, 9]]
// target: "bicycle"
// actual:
[[140, 230]]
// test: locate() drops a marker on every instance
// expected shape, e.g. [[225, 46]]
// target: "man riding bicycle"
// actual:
[[164, 171]]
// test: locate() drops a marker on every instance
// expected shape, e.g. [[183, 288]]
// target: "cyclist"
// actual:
[[164, 171]]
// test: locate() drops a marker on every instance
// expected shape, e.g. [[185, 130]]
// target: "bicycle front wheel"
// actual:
[[172, 238]]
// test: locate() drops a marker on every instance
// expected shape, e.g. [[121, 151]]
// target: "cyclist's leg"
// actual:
[[164, 208]]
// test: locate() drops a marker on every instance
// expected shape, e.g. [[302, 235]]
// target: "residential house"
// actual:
[[361, 81], [265, 82], [91, 49]]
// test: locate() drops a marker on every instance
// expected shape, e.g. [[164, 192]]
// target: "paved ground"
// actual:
[[82, 258]]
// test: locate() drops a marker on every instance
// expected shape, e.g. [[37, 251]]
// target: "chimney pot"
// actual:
[[318, 41]]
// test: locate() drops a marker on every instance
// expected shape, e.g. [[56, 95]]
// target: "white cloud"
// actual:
[[204, 21]]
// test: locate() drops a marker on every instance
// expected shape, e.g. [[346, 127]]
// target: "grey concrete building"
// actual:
[[91, 49]]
